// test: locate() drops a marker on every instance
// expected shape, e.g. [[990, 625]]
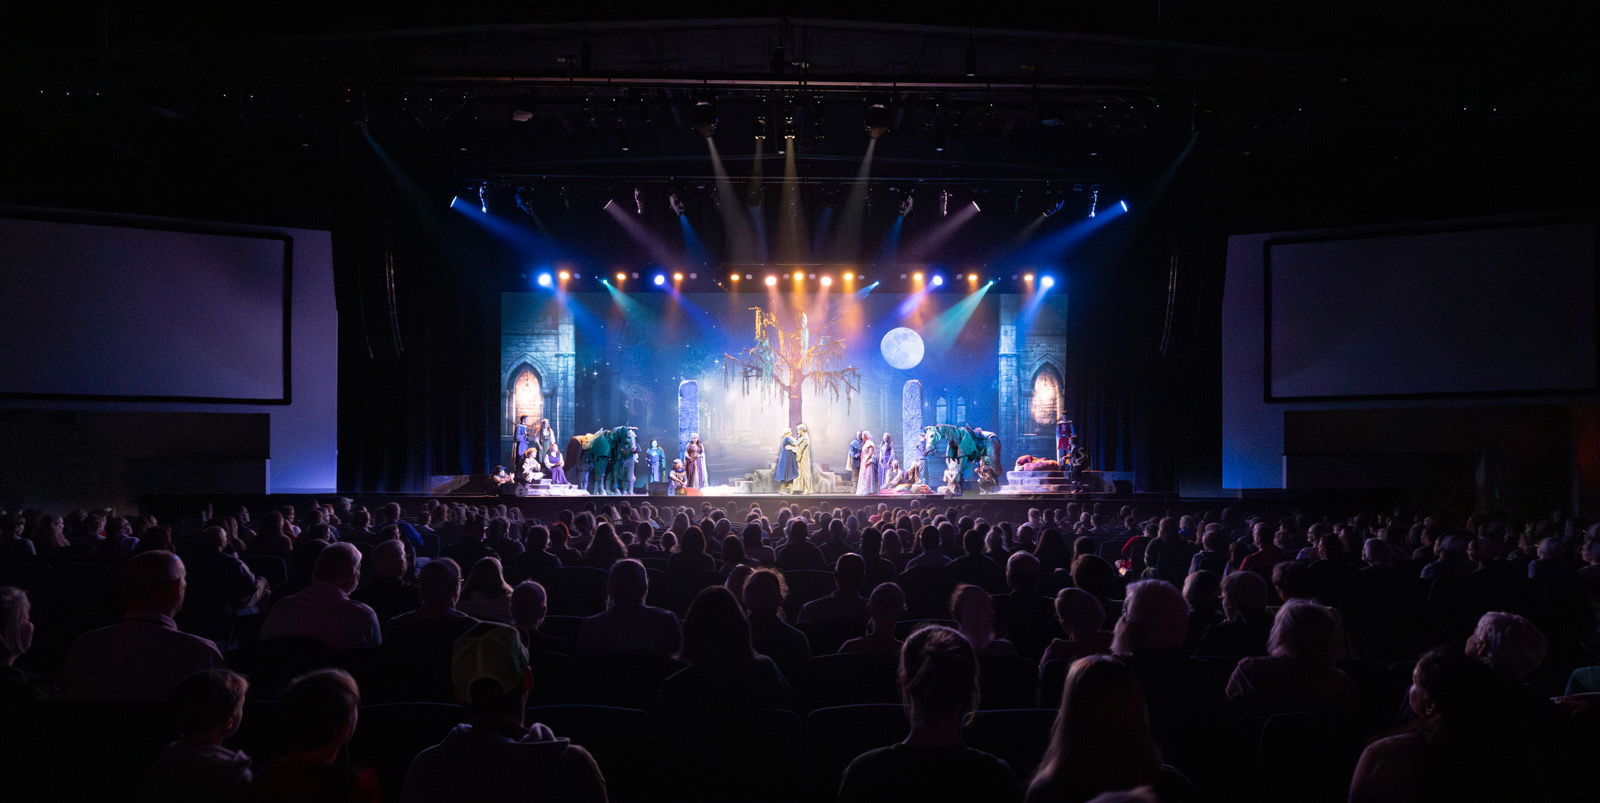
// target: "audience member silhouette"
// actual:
[[1101, 741]]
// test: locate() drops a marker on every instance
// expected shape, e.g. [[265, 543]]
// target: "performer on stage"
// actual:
[[552, 463], [1065, 432], [952, 478], [919, 450], [783, 468], [519, 440], [802, 461], [988, 478], [656, 459], [885, 457], [532, 469], [853, 462], [895, 478], [867, 482], [633, 463], [677, 479], [694, 462]]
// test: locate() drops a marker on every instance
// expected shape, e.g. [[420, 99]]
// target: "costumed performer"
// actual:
[[885, 457], [784, 469], [656, 459], [867, 483], [677, 479], [802, 461], [519, 440], [552, 461], [694, 462]]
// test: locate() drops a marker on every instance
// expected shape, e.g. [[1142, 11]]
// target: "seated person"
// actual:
[[884, 609], [724, 673], [324, 610], [939, 681], [143, 656], [628, 624], [319, 709], [974, 614], [677, 479], [529, 604], [494, 755], [210, 706], [1082, 619], [895, 477], [1299, 673]]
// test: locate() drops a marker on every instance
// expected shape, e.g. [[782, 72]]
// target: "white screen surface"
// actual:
[[1481, 311], [123, 312]]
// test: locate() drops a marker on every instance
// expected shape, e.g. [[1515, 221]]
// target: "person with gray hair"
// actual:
[[1510, 644], [1245, 621], [144, 656], [390, 592], [324, 610], [1300, 672]]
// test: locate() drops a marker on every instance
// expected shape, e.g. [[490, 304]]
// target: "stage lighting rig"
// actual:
[[638, 201], [1094, 200], [905, 206], [483, 198], [944, 203], [879, 118], [703, 117], [1054, 208], [677, 204]]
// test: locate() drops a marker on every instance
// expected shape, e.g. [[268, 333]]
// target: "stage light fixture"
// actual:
[[1054, 208], [975, 207], [1027, 277], [972, 277], [1123, 204], [564, 275], [1094, 200], [916, 277], [703, 117], [944, 203], [761, 126], [827, 281], [621, 277], [638, 201], [879, 118], [788, 125], [677, 204], [677, 277], [453, 200], [1047, 282], [544, 279], [772, 281], [938, 281], [659, 280], [748, 276], [610, 202], [483, 198], [905, 206], [733, 277]]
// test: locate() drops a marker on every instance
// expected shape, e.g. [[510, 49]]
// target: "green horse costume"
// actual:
[[603, 459]]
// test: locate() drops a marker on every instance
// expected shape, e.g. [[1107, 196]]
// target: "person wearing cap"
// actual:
[[494, 755]]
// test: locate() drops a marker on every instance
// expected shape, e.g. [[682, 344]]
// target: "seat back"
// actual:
[[1006, 682], [575, 590], [827, 635], [624, 679], [834, 736], [805, 585], [624, 742], [851, 679], [1018, 735], [390, 735]]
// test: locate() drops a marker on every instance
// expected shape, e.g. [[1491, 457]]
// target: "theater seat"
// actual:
[[1018, 735], [1006, 682], [805, 585], [753, 755], [100, 751], [905, 627], [624, 742], [827, 635], [1052, 676], [626, 679], [851, 679], [575, 590], [834, 736], [390, 735]]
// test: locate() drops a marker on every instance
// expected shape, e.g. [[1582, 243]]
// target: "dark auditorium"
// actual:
[[1164, 401]]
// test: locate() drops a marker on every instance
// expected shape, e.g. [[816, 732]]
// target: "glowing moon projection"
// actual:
[[902, 348]]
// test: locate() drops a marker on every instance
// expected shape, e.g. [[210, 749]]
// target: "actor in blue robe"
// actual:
[[519, 440], [656, 459], [784, 469]]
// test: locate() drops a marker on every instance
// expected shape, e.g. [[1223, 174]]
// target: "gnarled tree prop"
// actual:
[[783, 362]]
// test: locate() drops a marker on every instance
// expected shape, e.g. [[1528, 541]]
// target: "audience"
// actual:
[[628, 624], [1101, 741], [1418, 581], [485, 595], [845, 602], [324, 610], [1082, 619], [389, 592], [494, 755], [1299, 672], [144, 656], [884, 609], [764, 593], [210, 708], [319, 715], [938, 679]]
